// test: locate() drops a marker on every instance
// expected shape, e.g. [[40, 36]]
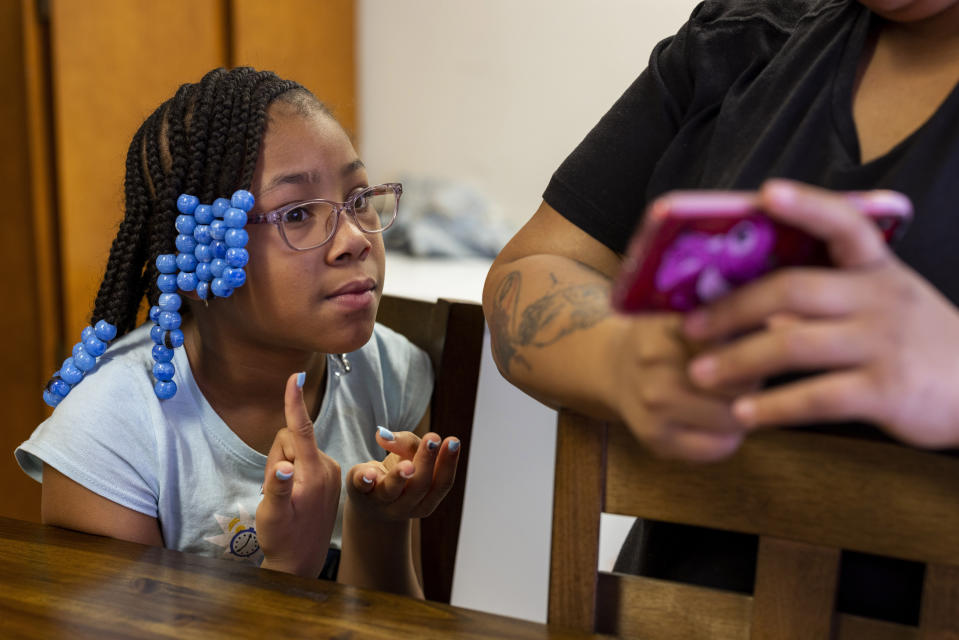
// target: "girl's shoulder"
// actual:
[[783, 15]]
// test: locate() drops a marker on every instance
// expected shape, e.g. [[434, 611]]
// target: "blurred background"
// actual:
[[472, 104]]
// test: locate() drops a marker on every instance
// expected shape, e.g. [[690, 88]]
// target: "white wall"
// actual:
[[496, 93]]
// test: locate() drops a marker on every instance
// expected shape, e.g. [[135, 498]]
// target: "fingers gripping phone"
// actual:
[[693, 247]]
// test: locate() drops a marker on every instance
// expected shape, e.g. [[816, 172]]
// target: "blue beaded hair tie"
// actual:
[[93, 342], [210, 258]]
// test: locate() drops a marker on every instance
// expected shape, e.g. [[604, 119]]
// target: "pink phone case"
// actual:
[[694, 246]]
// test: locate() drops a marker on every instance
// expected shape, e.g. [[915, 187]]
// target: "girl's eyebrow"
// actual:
[[304, 177]]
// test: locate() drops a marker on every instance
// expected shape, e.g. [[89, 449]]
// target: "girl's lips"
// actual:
[[353, 299]]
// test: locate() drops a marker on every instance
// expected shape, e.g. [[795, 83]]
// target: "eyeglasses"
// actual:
[[312, 223]]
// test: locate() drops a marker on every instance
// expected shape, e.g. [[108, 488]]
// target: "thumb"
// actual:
[[278, 483]]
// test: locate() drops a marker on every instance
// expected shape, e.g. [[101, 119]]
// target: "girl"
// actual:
[[278, 292]]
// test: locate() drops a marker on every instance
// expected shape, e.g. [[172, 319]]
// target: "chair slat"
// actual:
[[795, 593], [801, 486]]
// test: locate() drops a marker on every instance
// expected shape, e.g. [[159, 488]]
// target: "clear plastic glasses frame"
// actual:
[[365, 220]]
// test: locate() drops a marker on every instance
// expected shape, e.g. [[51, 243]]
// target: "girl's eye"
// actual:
[[360, 202], [299, 214]]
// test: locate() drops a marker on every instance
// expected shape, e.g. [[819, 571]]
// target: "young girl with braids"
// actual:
[[220, 426]]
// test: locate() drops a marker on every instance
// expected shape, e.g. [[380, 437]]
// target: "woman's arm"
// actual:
[[555, 336], [65, 503]]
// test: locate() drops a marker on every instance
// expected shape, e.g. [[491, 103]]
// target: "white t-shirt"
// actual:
[[177, 461]]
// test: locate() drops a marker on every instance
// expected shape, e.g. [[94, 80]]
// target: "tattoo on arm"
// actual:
[[545, 321]]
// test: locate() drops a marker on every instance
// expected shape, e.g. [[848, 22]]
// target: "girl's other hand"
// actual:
[[409, 483], [883, 341], [301, 493]]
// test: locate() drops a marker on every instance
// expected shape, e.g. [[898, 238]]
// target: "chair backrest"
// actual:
[[806, 495], [451, 332]]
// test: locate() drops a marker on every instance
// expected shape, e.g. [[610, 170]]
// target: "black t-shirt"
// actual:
[[747, 90], [751, 89]]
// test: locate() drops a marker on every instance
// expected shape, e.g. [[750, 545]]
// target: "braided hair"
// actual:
[[203, 141]]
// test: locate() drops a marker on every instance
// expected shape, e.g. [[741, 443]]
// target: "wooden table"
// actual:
[[56, 583]]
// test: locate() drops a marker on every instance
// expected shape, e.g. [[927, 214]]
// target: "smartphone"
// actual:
[[693, 247]]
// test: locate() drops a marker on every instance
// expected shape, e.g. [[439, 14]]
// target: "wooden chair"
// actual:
[[451, 332], [806, 495]]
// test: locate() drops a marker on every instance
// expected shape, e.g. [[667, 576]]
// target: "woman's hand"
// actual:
[[409, 483], [885, 342], [646, 384], [301, 493]]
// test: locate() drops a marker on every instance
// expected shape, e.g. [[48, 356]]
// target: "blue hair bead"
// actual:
[[173, 339], [154, 313], [219, 249], [105, 331], [165, 389], [163, 371], [169, 320], [185, 224], [237, 257], [218, 229], [186, 203], [242, 199], [58, 386], [203, 214], [186, 262], [234, 277], [203, 253], [76, 349], [169, 302], [234, 217], [160, 354], [51, 399], [166, 282], [95, 346], [86, 333], [203, 289], [220, 288], [156, 334], [217, 265], [186, 243], [186, 281], [202, 234], [83, 360], [203, 272], [69, 372], [220, 205], [237, 238], [166, 263]]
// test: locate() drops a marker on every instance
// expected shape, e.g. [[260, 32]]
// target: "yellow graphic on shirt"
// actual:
[[239, 537]]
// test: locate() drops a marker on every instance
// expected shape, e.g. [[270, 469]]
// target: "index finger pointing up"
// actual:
[[852, 238], [298, 421]]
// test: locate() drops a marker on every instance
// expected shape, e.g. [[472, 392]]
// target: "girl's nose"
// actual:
[[349, 241]]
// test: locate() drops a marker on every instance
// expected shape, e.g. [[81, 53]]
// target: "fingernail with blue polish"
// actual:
[[454, 445], [386, 434], [366, 480], [283, 476], [301, 379], [432, 445]]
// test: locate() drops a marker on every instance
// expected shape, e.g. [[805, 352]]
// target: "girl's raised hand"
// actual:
[[415, 476], [883, 340], [301, 493]]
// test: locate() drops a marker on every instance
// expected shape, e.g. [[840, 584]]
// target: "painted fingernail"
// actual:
[[695, 323], [386, 434], [366, 480], [432, 445], [283, 476], [301, 379], [744, 410], [703, 370], [454, 445], [782, 193]]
